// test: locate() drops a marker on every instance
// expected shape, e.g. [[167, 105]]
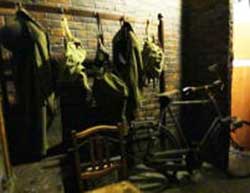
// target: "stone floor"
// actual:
[[39, 177], [211, 181], [46, 177], [215, 186], [43, 176]]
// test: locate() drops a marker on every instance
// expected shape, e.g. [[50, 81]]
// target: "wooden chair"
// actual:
[[101, 161]]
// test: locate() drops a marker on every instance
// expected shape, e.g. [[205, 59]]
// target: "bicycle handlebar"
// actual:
[[215, 84], [237, 123]]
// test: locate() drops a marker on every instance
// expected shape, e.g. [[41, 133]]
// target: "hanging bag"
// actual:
[[75, 55], [102, 55], [107, 86], [153, 57]]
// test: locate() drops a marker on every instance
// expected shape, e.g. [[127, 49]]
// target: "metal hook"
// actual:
[[147, 27], [99, 27], [62, 10], [96, 14], [160, 16], [122, 20], [19, 5]]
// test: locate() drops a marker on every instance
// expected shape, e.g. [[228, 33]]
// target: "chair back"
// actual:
[[105, 153]]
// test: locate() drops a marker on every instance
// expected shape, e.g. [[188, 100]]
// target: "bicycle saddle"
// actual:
[[168, 94]]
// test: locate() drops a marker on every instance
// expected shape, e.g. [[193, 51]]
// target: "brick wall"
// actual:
[[85, 29], [203, 39], [196, 35], [206, 41]]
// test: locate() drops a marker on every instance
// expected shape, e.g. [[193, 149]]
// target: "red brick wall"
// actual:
[[85, 29]]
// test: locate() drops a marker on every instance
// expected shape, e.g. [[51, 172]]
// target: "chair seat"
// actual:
[[98, 173], [121, 187]]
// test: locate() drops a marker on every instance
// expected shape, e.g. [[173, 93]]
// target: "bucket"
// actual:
[[240, 106], [239, 162]]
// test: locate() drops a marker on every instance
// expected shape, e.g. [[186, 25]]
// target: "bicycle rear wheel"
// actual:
[[163, 141]]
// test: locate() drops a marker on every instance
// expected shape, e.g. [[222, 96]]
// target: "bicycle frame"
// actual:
[[187, 149]]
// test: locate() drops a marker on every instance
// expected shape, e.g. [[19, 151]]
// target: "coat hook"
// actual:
[[100, 30], [62, 10], [160, 16], [96, 14], [19, 5], [147, 27], [122, 19]]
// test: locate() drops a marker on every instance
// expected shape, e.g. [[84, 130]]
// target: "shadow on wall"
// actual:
[[205, 41]]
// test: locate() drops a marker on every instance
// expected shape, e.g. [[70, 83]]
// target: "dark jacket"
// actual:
[[128, 65], [33, 79], [110, 91]]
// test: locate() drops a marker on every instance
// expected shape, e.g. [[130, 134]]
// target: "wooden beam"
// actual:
[[63, 10]]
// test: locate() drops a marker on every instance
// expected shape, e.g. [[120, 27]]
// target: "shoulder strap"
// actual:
[[100, 35], [65, 27], [146, 29]]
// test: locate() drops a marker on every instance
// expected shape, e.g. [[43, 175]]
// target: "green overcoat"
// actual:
[[33, 78], [128, 64]]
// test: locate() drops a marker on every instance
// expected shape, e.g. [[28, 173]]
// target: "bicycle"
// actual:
[[182, 155]]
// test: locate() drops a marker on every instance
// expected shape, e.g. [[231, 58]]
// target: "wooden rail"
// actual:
[[64, 10]]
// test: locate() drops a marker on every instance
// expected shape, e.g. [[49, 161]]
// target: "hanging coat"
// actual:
[[128, 65], [108, 86], [110, 93], [28, 42]]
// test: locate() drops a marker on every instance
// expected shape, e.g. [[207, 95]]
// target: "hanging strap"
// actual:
[[65, 27], [147, 29], [100, 36]]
